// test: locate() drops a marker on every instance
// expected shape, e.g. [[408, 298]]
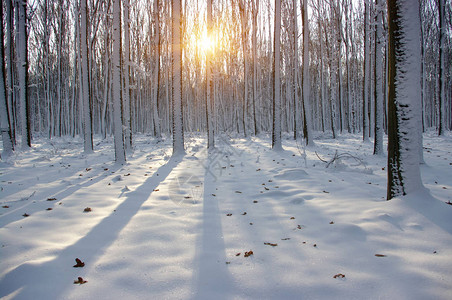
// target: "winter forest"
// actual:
[[230, 149]]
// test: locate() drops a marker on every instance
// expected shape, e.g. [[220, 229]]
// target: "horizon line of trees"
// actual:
[[79, 67]]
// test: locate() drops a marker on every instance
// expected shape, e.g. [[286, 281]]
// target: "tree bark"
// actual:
[[403, 98]]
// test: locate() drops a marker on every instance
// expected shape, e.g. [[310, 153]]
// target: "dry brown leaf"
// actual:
[[249, 253], [271, 244], [80, 281], [340, 275], [228, 215], [87, 209], [79, 264], [51, 199], [380, 255]]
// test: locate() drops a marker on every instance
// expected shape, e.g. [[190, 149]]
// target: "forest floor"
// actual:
[[241, 222]]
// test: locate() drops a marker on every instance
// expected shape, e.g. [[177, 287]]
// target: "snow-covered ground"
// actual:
[[179, 228]]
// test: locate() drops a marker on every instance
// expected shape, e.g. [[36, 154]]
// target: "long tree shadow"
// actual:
[[13, 216], [213, 276], [48, 280]]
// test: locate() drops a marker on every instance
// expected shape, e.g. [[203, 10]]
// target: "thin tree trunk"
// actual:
[[22, 67], [378, 77], [276, 133], [178, 129], [4, 117], [87, 123]]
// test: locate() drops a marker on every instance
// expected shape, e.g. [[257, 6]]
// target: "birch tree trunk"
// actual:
[[404, 98], [243, 17], [296, 108], [4, 117], [176, 66], [276, 133], [254, 41], [22, 68], [86, 105]]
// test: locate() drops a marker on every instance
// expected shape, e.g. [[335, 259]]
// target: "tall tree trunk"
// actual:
[[21, 6], [307, 128], [4, 117], [209, 82], [378, 77], [9, 70], [403, 98], [178, 129], [126, 91], [86, 120], [243, 17], [156, 118], [276, 133], [120, 156], [296, 108], [442, 73], [254, 41], [366, 72]]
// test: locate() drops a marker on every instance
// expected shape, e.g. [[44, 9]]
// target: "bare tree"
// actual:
[[403, 98], [276, 133], [176, 51]]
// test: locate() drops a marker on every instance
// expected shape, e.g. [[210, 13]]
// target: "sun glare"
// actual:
[[206, 44]]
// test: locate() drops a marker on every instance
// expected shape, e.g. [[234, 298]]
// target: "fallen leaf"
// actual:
[[88, 169], [331, 222], [292, 218], [80, 281], [228, 215], [128, 174], [326, 192], [271, 244], [87, 209], [299, 227], [237, 254], [49, 208], [244, 213], [450, 203], [249, 253], [187, 197], [255, 201], [51, 199], [266, 188], [251, 223], [5, 206], [258, 170], [380, 255], [315, 245], [214, 195], [25, 215], [228, 262], [285, 239], [238, 192], [156, 190], [340, 275], [79, 264]]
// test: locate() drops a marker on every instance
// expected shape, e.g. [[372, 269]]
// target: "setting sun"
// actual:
[[206, 43]]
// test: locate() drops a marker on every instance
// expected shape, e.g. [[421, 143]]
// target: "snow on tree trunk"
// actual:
[[176, 88], [296, 108], [86, 108], [442, 73], [254, 41], [22, 67], [117, 111], [307, 129], [243, 17], [276, 133], [366, 72], [403, 98], [209, 82], [4, 117], [156, 118], [126, 90], [378, 77]]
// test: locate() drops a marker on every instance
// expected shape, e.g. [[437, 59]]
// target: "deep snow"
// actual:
[[173, 228]]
